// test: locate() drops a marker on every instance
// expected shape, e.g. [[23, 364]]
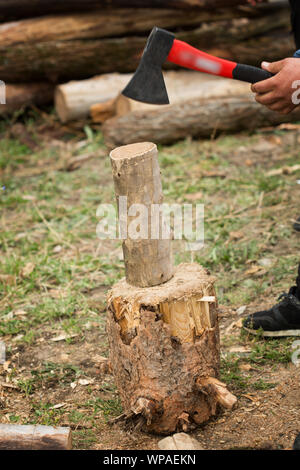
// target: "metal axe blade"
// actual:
[[147, 84]]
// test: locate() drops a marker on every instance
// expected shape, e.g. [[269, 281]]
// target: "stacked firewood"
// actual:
[[49, 42]]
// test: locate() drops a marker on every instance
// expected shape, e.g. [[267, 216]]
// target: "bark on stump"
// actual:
[[164, 339], [164, 351]]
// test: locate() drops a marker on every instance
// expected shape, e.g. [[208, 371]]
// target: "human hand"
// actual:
[[277, 92]]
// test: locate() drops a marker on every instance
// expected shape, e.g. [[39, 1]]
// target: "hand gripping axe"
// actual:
[[147, 84]]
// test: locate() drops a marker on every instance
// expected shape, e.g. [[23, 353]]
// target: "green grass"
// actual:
[[110, 407], [48, 221]]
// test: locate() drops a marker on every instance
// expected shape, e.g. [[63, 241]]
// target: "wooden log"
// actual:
[[164, 342], [107, 23], [101, 112], [34, 437], [181, 85], [77, 46], [136, 175], [200, 117], [19, 96], [74, 99], [28, 8]]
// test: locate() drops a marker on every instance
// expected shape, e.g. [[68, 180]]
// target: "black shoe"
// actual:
[[297, 443], [296, 225], [281, 320]]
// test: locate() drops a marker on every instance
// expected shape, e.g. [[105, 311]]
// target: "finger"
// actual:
[[273, 67], [266, 98], [264, 86], [279, 106]]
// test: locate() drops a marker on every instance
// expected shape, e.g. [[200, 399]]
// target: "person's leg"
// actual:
[[283, 319], [295, 21], [297, 443]]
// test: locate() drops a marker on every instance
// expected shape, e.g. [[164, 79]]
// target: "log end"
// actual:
[[132, 151], [61, 105]]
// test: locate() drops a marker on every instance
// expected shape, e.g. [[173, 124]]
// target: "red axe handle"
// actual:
[[187, 56]]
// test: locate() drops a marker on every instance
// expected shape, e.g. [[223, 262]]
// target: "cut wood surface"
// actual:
[[34, 437], [77, 46], [20, 95], [136, 174], [199, 117], [163, 340], [74, 99]]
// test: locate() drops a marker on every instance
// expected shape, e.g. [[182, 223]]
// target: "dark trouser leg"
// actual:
[[295, 19], [297, 293]]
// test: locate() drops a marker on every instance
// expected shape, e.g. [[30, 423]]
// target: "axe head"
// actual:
[[147, 84]]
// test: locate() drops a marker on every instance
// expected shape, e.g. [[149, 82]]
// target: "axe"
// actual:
[[148, 85]]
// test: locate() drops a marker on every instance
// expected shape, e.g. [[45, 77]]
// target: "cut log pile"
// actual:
[[52, 42], [197, 110]]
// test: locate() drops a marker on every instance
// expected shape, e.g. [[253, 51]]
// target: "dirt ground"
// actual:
[[54, 275]]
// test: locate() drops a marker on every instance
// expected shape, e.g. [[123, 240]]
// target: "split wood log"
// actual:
[[164, 351], [19, 96], [34, 437], [74, 99], [137, 177], [77, 46], [199, 117], [27, 8]]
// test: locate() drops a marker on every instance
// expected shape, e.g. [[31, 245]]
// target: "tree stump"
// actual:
[[163, 336]]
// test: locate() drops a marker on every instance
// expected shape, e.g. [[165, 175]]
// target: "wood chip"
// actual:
[[27, 270], [285, 170], [8, 385], [179, 441], [236, 235], [56, 407], [63, 337], [85, 381], [8, 279]]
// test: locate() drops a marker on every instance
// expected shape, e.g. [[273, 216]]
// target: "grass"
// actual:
[[54, 272]]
